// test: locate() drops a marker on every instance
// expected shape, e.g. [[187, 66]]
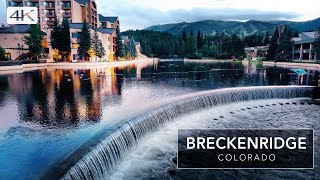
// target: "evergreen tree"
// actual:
[[2, 54], [199, 40], [237, 48], [101, 51], [65, 36], [273, 45], [131, 49], [55, 34], [266, 39], [34, 41], [60, 37], [316, 48], [184, 36], [285, 46], [191, 46], [85, 40], [95, 43], [119, 45]]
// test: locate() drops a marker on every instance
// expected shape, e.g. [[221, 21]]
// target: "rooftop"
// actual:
[[16, 29], [306, 37], [102, 30], [109, 19], [84, 2]]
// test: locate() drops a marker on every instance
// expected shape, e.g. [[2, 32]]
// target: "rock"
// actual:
[[172, 171]]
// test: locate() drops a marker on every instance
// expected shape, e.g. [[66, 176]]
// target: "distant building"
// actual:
[[257, 51], [125, 39], [303, 46], [138, 48]]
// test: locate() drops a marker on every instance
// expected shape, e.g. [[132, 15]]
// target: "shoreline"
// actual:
[[292, 64], [66, 65]]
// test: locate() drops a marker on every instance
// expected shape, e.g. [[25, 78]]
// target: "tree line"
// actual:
[[219, 46]]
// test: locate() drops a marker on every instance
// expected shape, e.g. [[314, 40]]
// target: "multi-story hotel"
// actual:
[[304, 45], [76, 11]]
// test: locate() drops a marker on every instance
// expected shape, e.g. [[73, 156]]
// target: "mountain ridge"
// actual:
[[250, 27]]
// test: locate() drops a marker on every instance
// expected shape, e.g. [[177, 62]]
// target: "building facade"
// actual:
[[76, 11], [257, 51], [303, 46]]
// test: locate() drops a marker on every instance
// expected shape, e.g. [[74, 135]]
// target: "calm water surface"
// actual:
[[46, 114]]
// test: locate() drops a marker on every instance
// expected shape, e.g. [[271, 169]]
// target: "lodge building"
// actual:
[[76, 11], [303, 46]]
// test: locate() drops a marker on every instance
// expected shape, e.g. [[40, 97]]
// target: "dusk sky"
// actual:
[[139, 14]]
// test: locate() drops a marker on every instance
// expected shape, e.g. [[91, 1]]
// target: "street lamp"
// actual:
[[19, 47]]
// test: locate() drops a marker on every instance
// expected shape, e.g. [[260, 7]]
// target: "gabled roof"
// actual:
[[310, 34], [109, 19], [16, 29], [106, 30], [305, 37]]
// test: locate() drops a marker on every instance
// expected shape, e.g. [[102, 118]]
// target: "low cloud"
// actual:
[[135, 16]]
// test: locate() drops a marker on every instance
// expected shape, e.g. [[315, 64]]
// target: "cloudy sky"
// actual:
[[138, 14]]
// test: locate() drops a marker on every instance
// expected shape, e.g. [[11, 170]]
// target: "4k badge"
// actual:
[[22, 15]]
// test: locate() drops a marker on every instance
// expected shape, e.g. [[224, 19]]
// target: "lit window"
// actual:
[[75, 46]]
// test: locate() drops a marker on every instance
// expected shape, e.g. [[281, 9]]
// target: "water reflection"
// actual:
[[73, 97]]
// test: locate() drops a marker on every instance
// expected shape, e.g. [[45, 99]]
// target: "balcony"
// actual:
[[50, 22], [66, 14], [50, 6], [15, 4], [32, 4], [50, 14], [66, 6]]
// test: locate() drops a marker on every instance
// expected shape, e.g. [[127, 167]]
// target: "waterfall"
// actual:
[[97, 158]]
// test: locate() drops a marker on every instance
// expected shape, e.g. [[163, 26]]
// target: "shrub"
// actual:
[[240, 58], [2, 54], [223, 56]]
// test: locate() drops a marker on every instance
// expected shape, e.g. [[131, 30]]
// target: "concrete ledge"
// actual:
[[81, 65], [291, 64]]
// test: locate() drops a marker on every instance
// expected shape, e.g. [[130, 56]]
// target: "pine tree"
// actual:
[[65, 35], [101, 51], [120, 47], [316, 48], [55, 34], [184, 36], [266, 39], [131, 48], [285, 46], [191, 46], [95, 43], [85, 40], [273, 45], [199, 40], [34, 41]]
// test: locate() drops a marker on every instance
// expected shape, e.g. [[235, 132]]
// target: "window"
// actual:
[[75, 35], [75, 45]]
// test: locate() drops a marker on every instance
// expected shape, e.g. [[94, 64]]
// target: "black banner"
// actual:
[[245, 149]]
